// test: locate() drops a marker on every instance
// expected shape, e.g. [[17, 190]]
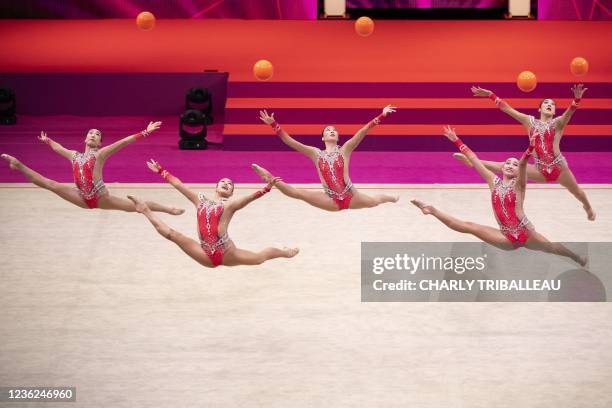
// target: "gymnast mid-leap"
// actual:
[[546, 133], [214, 215], [332, 166], [87, 169], [507, 197]]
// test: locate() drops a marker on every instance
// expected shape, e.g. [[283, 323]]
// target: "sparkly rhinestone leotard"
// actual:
[[82, 170], [209, 214], [544, 133], [331, 166], [503, 198]]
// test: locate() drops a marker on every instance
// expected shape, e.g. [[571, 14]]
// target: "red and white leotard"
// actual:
[[503, 198], [82, 169], [544, 133], [331, 166], [209, 215]]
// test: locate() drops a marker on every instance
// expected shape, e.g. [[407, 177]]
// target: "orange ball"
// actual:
[[364, 26], [145, 21], [263, 70], [526, 81], [579, 66]]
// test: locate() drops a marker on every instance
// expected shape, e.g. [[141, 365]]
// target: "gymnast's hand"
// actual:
[[153, 165], [153, 126], [265, 118], [478, 91], [43, 137], [388, 109], [578, 90], [450, 133], [273, 181]]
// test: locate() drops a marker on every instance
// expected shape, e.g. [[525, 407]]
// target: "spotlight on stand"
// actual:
[[7, 107], [192, 129], [200, 99], [197, 115]]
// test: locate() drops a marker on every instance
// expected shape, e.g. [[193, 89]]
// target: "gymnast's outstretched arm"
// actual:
[[57, 148], [111, 149], [241, 202], [485, 173], [284, 136], [564, 119], [175, 181], [354, 141], [502, 104]]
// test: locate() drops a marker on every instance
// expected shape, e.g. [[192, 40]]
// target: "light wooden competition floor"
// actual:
[[97, 300]]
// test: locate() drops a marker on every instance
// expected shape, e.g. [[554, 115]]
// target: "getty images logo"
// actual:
[[414, 264]]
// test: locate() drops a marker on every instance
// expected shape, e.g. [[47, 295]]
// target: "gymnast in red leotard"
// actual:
[[332, 167], [507, 197], [87, 169], [83, 165], [214, 215], [546, 132], [503, 199]]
